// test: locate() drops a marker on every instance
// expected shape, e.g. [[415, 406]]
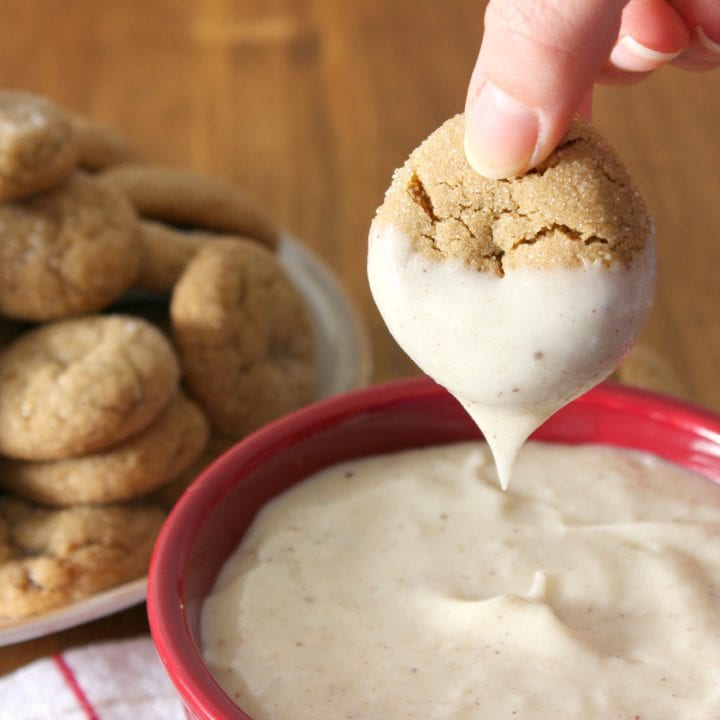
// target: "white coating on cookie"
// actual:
[[513, 349]]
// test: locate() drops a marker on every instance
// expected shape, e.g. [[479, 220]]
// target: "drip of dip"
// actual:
[[516, 295], [410, 585]]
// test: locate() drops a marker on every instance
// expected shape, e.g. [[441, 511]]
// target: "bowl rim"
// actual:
[[170, 632]]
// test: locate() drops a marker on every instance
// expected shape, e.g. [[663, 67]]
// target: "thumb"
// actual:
[[538, 61]]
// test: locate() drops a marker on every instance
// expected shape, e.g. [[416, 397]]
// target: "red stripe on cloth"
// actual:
[[72, 682]]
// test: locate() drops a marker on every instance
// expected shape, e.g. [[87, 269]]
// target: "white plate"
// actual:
[[77, 613], [343, 352]]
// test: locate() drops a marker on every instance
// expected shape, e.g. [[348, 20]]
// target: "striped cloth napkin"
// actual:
[[109, 681]]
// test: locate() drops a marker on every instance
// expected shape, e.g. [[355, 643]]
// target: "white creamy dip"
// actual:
[[513, 349], [411, 586]]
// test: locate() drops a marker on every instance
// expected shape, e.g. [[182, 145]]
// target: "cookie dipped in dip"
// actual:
[[517, 295]]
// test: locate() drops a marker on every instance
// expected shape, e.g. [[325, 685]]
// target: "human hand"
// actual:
[[540, 59]]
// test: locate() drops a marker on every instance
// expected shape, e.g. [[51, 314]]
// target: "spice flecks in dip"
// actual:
[[411, 586]]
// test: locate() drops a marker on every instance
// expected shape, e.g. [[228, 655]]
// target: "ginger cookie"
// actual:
[[50, 558], [190, 200], [519, 294], [166, 252], [579, 206], [38, 147], [67, 251], [100, 147], [244, 336], [77, 386], [135, 467]]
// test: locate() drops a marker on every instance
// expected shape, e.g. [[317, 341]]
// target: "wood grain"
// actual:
[[311, 105]]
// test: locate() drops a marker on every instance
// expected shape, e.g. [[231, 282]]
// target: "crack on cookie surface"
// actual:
[[565, 230], [421, 197], [595, 240], [463, 224]]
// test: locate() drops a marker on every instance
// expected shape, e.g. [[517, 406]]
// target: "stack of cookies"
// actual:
[[145, 325]]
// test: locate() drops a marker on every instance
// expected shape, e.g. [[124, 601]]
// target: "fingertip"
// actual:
[[501, 134], [702, 55], [702, 17], [545, 56], [630, 55], [652, 34], [706, 41]]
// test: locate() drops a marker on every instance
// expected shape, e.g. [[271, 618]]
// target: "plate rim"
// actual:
[[93, 607]]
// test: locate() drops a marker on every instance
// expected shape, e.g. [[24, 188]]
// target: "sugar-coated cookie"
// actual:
[[100, 147], [68, 251], [166, 251], [577, 207], [135, 467], [38, 147], [517, 294], [191, 200], [77, 386], [53, 557], [244, 336]]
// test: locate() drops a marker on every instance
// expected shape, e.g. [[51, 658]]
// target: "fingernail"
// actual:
[[500, 134], [706, 42], [633, 56]]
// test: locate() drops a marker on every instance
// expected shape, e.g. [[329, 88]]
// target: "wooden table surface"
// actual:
[[311, 105]]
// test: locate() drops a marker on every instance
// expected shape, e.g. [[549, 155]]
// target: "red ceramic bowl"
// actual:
[[209, 520]]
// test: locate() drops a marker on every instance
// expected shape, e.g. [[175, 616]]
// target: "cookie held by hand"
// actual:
[[519, 294]]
